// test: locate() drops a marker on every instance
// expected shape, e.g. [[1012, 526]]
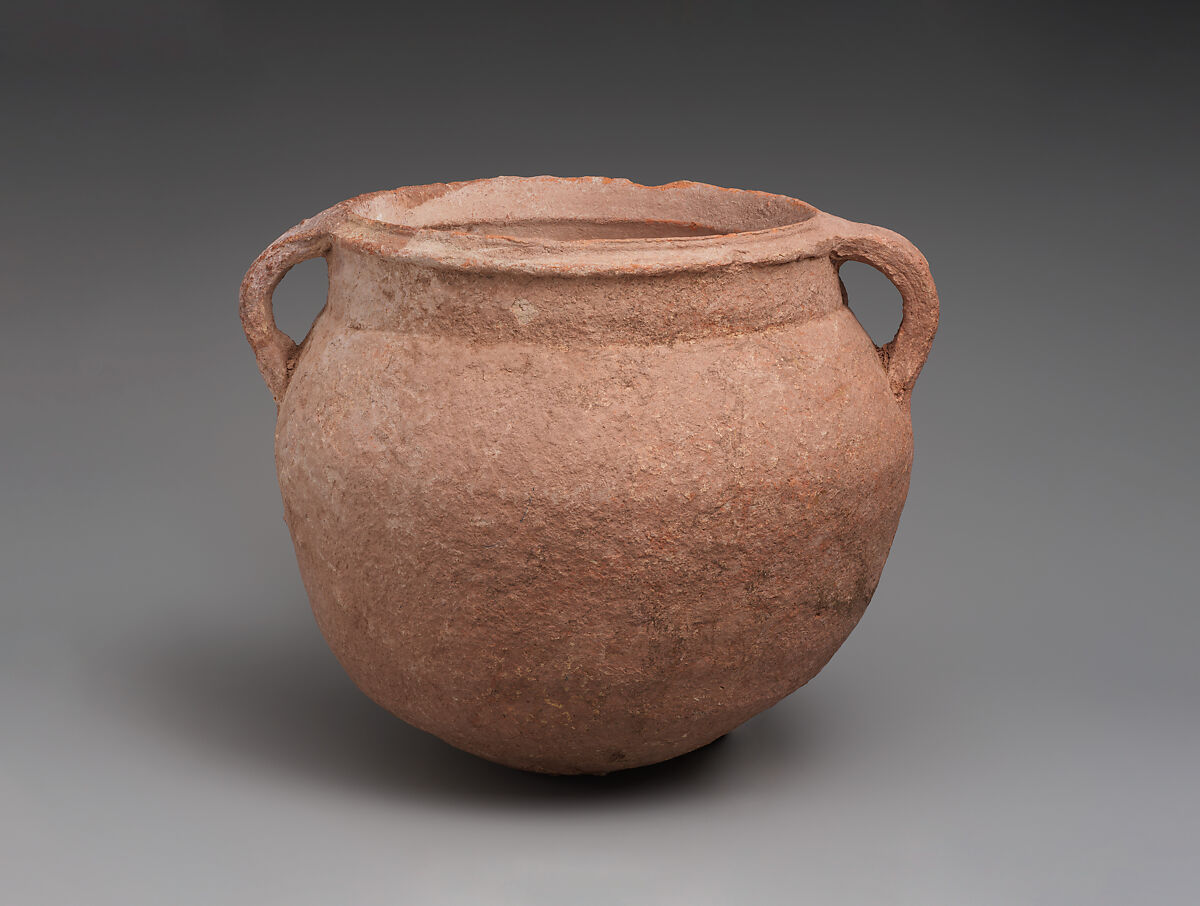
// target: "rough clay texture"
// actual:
[[583, 474]]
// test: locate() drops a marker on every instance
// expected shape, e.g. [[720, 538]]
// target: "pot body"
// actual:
[[583, 523]]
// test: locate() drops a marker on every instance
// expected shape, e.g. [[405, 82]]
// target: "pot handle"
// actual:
[[275, 351], [901, 262]]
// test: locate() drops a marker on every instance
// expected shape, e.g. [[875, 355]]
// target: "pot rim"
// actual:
[[418, 224]]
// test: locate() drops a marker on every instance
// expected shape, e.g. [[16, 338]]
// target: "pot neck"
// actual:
[[373, 292]]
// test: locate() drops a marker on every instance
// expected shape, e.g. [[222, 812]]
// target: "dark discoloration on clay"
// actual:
[[588, 494]]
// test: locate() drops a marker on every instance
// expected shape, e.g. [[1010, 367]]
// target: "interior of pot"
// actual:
[[579, 210], [564, 230]]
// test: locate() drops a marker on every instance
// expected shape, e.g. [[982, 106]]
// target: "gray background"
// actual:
[[1015, 720]]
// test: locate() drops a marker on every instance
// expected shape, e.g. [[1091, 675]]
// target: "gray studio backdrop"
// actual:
[[1014, 721]]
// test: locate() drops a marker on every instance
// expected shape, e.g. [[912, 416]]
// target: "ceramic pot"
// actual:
[[582, 474]]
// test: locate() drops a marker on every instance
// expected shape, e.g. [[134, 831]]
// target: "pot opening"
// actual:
[[584, 209], [563, 230]]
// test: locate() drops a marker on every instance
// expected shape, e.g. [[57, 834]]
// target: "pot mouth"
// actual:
[[583, 225]]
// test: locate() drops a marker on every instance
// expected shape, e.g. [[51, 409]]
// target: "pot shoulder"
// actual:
[[619, 418]]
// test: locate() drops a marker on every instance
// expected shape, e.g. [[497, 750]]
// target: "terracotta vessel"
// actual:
[[582, 474]]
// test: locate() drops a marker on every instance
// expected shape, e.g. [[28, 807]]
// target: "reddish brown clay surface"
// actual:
[[582, 474]]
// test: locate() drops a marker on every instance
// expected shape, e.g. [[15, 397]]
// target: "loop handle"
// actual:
[[276, 352], [901, 262]]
